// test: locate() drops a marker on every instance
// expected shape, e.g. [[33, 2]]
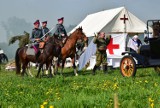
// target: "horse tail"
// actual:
[[17, 61]]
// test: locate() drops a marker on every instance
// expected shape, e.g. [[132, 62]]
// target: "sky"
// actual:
[[73, 11]]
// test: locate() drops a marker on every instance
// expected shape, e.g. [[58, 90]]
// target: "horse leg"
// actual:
[[74, 67], [44, 68], [28, 69], [50, 71], [63, 61], [56, 68], [55, 65], [24, 66], [48, 68], [53, 69], [39, 69]]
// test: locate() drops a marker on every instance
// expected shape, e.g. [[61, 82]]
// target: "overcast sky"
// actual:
[[74, 11]]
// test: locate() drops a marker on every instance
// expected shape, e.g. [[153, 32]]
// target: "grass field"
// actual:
[[83, 91]]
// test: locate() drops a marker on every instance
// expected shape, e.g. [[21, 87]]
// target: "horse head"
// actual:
[[81, 35], [156, 29]]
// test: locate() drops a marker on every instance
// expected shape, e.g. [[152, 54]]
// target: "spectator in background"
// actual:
[[134, 44]]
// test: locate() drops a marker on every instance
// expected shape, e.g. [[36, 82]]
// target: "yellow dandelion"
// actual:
[[105, 84], [51, 106], [47, 93], [155, 84], [45, 103], [115, 86], [151, 100], [146, 81], [42, 106], [152, 105], [58, 98]]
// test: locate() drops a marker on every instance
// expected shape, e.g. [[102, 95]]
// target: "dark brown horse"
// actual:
[[156, 29], [69, 49], [52, 48]]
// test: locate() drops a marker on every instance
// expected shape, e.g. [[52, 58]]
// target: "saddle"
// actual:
[[33, 49]]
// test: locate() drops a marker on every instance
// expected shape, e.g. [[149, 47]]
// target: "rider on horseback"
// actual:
[[36, 37], [44, 27], [60, 31]]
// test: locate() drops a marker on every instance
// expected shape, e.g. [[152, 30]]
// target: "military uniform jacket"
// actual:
[[36, 33], [101, 42], [45, 30], [60, 30]]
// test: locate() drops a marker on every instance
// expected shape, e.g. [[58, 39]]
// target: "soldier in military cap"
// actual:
[[60, 31], [101, 55], [36, 32], [45, 28], [36, 36]]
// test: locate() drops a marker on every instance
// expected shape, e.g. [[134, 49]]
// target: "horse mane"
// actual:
[[77, 30]]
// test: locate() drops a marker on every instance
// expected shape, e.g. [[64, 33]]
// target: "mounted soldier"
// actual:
[[45, 30], [60, 31], [44, 27], [36, 37]]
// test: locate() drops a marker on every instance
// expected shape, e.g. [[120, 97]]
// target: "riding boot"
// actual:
[[105, 69], [94, 70]]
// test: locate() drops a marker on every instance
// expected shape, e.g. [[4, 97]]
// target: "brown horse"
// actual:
[[156, 29], [69, 48], [52, 48]]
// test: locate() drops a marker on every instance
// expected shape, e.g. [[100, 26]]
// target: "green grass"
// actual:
[[86, 90]]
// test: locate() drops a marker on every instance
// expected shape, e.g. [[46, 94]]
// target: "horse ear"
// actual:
[[80, 27]]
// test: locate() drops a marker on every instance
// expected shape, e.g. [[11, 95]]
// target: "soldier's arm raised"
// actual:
[[95, 38], [108, 38]]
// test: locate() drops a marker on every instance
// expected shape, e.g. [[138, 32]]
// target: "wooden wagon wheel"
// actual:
[[128, 66]]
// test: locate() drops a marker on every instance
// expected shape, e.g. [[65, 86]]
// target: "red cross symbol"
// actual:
[[112, 46], [124, 19]]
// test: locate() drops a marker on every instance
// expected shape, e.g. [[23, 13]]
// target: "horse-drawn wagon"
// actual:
[[148, 55]]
